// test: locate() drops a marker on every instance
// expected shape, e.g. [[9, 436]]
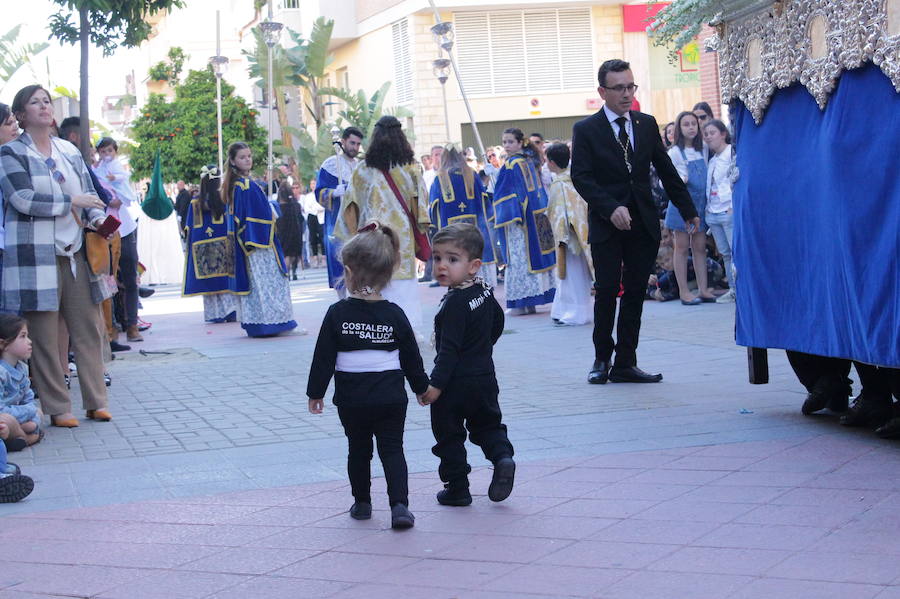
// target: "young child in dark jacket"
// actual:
[[463, 390], [367, 343]]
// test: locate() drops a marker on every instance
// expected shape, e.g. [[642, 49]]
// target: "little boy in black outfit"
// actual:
[[463, 390]]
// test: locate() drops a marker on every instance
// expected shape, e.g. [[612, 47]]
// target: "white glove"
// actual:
[[339, 190]]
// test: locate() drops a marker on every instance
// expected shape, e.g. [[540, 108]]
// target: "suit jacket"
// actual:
[[601, 176], [33, 201]]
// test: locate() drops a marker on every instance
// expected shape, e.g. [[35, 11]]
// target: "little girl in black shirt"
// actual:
[[367, 343]]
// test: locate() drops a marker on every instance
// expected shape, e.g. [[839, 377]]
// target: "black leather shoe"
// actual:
[[145, 292], [866, 411], [401, 517], [818, 400], [632, 374], [361, 510], [890, 429], [502, 481], [457, 496], [116, 346], [599, 373]]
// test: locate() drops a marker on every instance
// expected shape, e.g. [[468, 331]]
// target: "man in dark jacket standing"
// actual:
[[611, 156]]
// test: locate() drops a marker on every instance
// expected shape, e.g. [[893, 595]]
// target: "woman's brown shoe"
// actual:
[[133, 334], [64, 422], [101, 415]]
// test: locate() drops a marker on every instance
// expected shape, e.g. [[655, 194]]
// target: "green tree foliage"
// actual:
[[284, 79], [184, 130], [363, 112], [170, 69], [310, 58], [678, 24], [107, 24], [15, 55]]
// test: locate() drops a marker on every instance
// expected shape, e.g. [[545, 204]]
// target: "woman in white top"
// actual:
[[721, 176], [689, 156]]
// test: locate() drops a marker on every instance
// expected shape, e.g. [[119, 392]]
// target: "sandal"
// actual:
[[15, 444]]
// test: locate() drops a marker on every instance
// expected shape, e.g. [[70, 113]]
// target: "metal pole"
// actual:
[[219, 95], [271, 99], [446, 113], [271, 104], [462, 90]]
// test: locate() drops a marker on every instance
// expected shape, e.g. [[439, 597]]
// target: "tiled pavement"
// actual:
[[700, 487]]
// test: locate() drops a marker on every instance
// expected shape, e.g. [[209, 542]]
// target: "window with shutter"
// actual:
[[403, 83], [521, 51]]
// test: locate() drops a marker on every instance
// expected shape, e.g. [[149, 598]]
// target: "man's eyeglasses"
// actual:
[[630, 88], [58, 176]]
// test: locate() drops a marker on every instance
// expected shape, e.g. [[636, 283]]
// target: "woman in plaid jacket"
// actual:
[[49, 198]]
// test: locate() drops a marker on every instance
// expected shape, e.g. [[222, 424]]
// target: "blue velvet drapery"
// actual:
[[817, 222]]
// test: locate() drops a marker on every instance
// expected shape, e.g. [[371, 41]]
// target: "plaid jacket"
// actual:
[[32, 200]]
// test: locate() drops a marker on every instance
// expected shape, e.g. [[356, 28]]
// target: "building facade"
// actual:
[[524, 63]]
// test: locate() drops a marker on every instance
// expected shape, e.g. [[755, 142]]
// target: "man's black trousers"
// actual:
[[467, 403], [385, 423], [626, 257]]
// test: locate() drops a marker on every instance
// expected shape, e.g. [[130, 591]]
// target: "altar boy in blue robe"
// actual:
[[457, 195], [331, 183]]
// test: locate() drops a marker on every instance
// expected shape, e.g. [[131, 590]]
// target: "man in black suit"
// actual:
[[611, 155]]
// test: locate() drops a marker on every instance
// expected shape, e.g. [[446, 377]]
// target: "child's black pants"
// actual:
[[385, 423], [467, 403]]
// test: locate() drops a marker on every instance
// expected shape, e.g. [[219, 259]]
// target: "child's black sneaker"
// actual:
[[401, 517], [502, 481], [361, 510], [15, 487], [457, 496]]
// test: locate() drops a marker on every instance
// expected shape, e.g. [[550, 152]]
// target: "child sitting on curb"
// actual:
[[19, 410]]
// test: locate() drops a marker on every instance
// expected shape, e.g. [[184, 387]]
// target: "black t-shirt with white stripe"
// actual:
[[368, 346]]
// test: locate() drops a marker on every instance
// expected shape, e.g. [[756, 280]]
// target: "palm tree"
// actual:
[[284, 79], [363, 112], [310, 58], [14, 56]]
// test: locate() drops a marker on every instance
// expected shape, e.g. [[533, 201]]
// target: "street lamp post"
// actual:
[[443, 35], [271, 32], [441, 70], [219, 63]]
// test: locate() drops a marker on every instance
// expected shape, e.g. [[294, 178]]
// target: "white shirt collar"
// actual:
[[612, 116]]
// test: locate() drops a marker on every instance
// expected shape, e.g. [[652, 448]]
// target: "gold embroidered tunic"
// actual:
[[369, 197], [569, 217]]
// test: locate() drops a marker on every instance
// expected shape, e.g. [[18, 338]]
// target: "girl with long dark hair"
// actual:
[[388, 187], [520, 205], [259, 275], [210, 253]]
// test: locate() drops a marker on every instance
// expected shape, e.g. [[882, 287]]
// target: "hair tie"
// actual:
[[372, 226], [210, 171]]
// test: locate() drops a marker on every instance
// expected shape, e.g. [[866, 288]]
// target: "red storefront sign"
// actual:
[[635, 16]]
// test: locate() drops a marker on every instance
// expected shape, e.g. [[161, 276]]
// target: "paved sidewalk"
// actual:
[[214, 480], [771, 519]]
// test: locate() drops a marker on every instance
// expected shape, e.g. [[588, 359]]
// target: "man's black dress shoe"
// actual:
[[632, 374], [146, 292], [868, 411], [599, 373], [890, 429]]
